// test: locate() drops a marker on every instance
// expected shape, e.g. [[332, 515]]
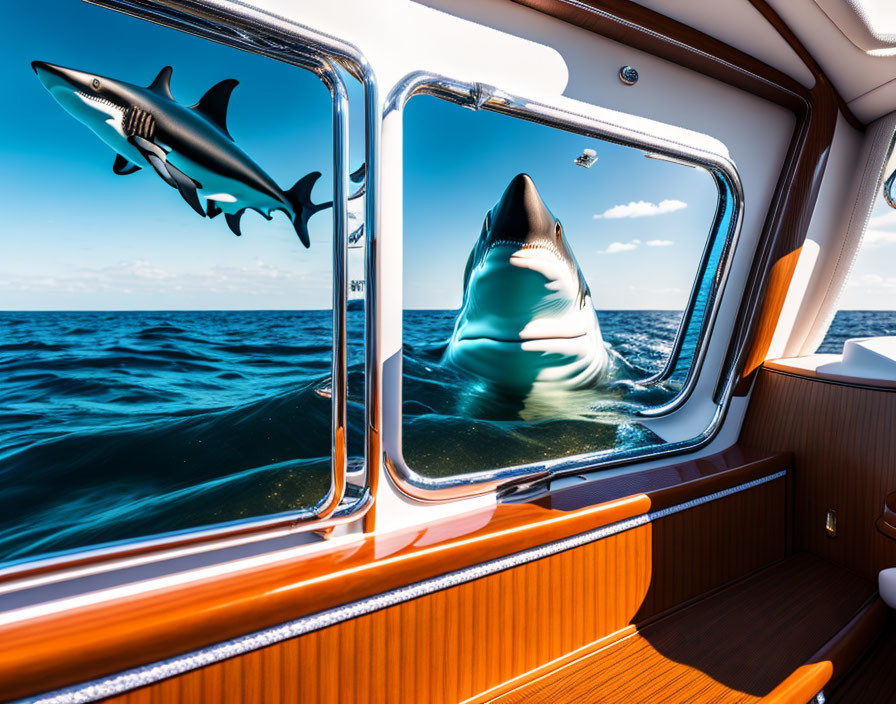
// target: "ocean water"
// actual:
[[115, 425], [857, 323]]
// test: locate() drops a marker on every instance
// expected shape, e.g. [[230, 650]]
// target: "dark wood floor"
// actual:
[[736, 645], [873, 681]]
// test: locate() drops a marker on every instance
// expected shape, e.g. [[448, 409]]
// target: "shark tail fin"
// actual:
[[299, 197]]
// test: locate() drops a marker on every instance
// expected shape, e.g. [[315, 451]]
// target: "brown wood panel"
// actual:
[[737, 645], [674, 484], [874, 679], [449, 646], [844, 450]]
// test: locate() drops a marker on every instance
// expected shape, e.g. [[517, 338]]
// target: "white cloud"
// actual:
[[872, 281], [641, 209], [885, 220], [875, 238], [659, 243], [616, 247], [141, 276]]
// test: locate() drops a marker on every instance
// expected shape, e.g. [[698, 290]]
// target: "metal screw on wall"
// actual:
[[628, 75]]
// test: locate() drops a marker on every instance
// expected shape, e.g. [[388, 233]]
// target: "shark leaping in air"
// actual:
[[188, 147]]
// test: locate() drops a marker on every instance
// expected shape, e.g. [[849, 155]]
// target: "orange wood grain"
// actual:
[[450, 646], [844, 449], [778, 285]]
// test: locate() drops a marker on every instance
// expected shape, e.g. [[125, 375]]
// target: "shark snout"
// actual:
[[53, 76]]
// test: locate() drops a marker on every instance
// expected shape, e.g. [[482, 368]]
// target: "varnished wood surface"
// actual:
[[450, 646], [778, 285], [674, 484], [844, 459], [737, 645], [813, 366], [873, 681], [39, 653]]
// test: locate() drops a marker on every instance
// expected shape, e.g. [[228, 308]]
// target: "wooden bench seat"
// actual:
[[776, 635]]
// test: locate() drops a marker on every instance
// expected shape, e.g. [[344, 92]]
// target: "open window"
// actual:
[[561, 277], [183, 328]]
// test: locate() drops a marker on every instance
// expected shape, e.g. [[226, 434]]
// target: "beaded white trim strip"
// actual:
[[142, 676]]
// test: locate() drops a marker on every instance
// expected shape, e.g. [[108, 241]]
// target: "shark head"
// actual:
[[527, 316], [99, 102]]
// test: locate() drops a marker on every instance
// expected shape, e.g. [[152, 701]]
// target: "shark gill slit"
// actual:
[[139, 123]]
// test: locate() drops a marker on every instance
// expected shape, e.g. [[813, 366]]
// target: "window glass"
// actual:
[[158, 373], [547, 277], [867, 305]]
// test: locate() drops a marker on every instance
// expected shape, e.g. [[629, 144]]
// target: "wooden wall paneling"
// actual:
[[450, 646], [844, 448]]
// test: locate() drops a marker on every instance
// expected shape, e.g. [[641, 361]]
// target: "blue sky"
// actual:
[[637, 225], [76, 236]]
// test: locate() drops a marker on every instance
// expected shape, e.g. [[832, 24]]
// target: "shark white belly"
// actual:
[[527, 323]]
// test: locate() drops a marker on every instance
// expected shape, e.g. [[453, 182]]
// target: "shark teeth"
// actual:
[[528, 245], [97, 99]]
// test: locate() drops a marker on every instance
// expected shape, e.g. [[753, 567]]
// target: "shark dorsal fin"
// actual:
[[162, 83], [213, 105]]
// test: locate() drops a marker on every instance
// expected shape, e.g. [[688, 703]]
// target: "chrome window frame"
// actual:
[[235, 24], [479, 96]]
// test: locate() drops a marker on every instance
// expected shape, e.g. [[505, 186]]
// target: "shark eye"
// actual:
[[559, 231], [96, 83]]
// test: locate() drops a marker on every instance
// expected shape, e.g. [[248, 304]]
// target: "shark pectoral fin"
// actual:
[[187, 188], [155, 155], [169, 173], [212, 209], [233, 221], [213, 105], [161, 169], [123, 167]]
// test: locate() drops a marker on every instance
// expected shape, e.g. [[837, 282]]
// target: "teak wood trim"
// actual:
[[796, 192], [78, 642]]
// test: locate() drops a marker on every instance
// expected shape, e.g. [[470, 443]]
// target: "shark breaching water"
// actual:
[[190, 148], [527, 322]]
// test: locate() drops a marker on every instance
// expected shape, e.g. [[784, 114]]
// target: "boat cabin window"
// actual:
[[555, 286], [166, 360], [867, 305]]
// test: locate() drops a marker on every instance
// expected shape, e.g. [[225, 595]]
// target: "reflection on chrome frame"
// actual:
[[478, 96]]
